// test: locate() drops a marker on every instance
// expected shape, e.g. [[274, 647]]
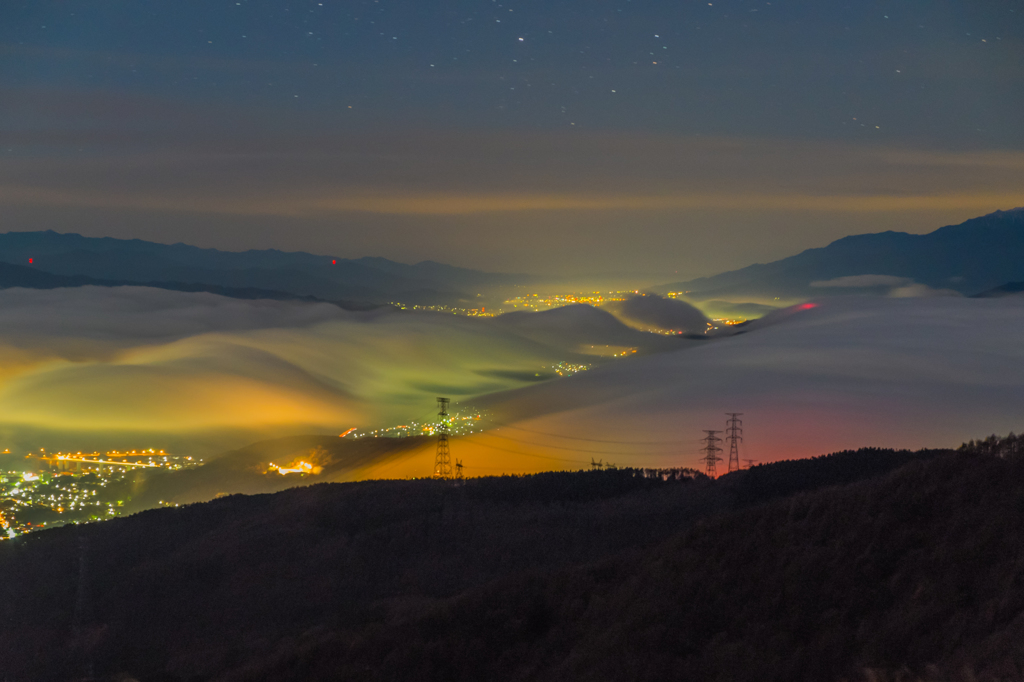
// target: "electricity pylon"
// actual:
[[711, 451], [734, 434], [443, 461]]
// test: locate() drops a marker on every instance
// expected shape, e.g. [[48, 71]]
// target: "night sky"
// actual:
[[579, 137]]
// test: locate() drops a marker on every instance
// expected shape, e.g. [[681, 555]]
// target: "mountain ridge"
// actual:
[[12, 276], [970, 257], [824, 569], [368, 279]]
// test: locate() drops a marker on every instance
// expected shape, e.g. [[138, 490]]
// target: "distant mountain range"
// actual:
[[978, 255], [982, 256], [1008, 289], [73, 260]]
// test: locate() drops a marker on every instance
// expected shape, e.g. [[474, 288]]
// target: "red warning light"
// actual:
[[334, 262], [30, 260], [808, 306]]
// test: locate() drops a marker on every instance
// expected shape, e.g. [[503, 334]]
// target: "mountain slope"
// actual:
[[303, 274], [906, 560], [979, 254], [913, 576], [1008, 289]]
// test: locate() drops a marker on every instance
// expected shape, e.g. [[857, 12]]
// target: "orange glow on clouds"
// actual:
[[107, 360]]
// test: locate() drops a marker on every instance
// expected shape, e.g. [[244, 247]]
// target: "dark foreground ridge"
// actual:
[[874, 564]]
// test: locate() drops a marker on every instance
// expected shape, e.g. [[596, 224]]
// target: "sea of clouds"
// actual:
[[842, 372], [129, 367], [97, 367]]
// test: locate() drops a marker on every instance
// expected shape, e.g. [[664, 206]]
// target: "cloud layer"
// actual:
[[846, 373], [129, 360], [98, 367]]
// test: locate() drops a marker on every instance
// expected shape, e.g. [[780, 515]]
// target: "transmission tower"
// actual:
[[596, 465], [459, 476], [443, 461], [750, 463], [711, 451], [734, 434]]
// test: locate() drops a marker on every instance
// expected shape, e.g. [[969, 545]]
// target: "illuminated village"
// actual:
[[548, 301], [55, 489]]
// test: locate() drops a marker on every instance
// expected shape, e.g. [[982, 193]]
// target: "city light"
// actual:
[[547, 301], [77, 487]]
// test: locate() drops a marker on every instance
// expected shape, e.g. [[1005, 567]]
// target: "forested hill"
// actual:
[[904, 563]]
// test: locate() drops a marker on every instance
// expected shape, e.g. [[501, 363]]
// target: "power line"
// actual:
[[557, 447], [561, 447], [590, 440], [491, 446], [595, 452], [529, 454]]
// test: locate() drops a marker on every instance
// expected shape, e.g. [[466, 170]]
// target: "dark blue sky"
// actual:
[[468, 131]]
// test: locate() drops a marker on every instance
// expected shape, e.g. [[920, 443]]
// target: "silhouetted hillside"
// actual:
[[299, 274], [917, 574], [781, 479], [33, 278], [817, 570], [977, 255], [1009, 289]]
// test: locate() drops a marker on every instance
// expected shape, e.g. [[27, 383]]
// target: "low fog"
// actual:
[[110, 367], [840, 373], [200, 374]]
